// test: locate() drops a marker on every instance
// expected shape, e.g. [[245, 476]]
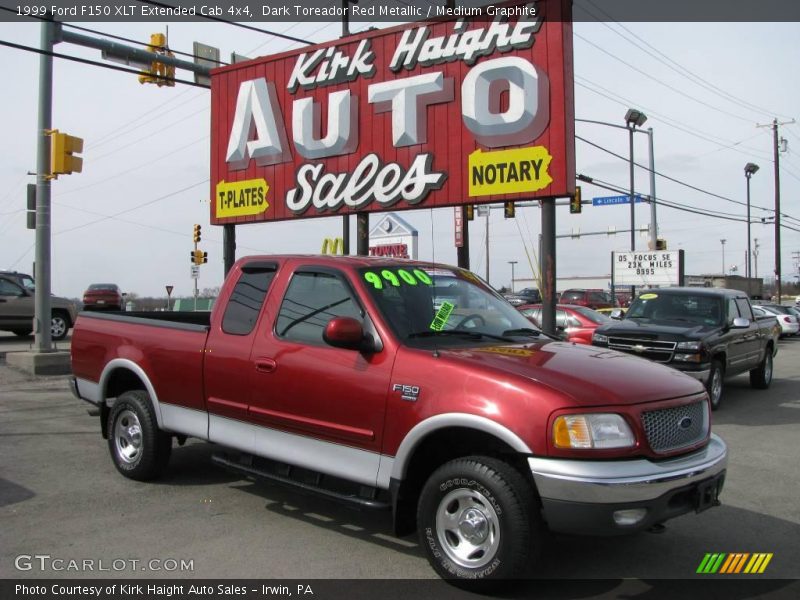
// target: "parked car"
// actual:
[[575, 323], [17, 309], [786, 319], [337, 375], [708, 333], [524, 296], [103, 296], [591, 298]]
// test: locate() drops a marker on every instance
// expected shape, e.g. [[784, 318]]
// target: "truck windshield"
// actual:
[[697, 309], [427, 305]]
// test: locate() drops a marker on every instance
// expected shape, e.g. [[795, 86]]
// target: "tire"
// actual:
[[59, 325], [22, 332], [761, 376], [478, 522], [715, 381], [139, 449]]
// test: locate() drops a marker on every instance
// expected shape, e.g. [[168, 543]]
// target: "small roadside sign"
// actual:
[[195, 272], [169, 290], [614, 200]]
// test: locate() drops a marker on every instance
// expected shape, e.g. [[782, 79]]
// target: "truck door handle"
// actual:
[[266, 365]]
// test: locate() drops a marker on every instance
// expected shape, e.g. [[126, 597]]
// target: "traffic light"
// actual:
[[575, 205], [204, 258], [470, 212], [159, 73], [63, 148], [196, 235], [199, 257], [661, 244], [508, 210]]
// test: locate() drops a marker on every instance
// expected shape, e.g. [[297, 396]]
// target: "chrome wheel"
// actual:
[[768, 367], [128, 437], [58, 327], [715, 386], [468, 528]]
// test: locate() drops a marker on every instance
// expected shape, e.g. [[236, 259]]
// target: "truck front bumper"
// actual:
[[616, 497]]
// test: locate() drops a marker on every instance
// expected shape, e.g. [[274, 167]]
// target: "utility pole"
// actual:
[[512, 263], [776, 160], [723, 256], [755, 257], [653, 220], [487, 244]]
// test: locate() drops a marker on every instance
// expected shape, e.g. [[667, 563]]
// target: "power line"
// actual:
[[94, 63], [235, 24], [678, 68]]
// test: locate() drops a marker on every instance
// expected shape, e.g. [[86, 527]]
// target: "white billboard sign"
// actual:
[[645, 269]]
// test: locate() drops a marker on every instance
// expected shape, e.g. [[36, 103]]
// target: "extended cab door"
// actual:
[[16, 305], [331, 401], [742, 343]]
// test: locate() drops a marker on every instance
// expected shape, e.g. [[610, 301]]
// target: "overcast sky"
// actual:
[[128, 217]]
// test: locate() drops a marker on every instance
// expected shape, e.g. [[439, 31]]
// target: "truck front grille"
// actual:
[[669, 429], [654, 350]]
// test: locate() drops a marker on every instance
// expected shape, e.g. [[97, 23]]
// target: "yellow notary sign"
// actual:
[[241, 198], [509, 171]]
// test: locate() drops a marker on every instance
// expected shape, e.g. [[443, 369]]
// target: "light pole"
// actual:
[[755, 258], [749, 170], [633, 119], [512, 263], [723, 256]]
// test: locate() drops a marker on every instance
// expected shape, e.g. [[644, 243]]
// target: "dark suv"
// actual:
[[592, 298], [524, 296]]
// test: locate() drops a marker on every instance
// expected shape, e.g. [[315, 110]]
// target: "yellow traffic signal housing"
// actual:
[[204, 258], [159, 73], [470, 212], [63, 148], [196, 234], [199, 257], [509, 210], [575, 205]]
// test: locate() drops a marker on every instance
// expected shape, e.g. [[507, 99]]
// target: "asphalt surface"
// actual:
[[61, 496]]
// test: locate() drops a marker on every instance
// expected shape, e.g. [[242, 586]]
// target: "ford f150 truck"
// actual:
[[415, 387], [708, 333]]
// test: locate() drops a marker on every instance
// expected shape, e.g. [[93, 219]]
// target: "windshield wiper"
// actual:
[[524, 331], [458, 332]]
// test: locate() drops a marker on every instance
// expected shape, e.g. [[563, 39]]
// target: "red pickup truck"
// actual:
[[410, 386]]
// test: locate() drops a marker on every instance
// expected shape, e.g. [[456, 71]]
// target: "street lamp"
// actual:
[[723, 256], [512, 263], [749, 170], [633, 119]]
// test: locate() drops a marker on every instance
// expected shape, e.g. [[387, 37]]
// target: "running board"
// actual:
[[317, 487]]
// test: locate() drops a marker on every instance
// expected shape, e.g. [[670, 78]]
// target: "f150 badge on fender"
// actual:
[[408, 392]]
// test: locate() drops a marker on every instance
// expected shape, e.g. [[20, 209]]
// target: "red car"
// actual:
[[576, 322], [102, 296], [591, 298]]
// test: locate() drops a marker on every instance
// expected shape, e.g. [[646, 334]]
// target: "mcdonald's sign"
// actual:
[[332, 246]]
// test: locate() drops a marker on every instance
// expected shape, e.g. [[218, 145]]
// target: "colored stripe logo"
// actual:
[[734, 563]]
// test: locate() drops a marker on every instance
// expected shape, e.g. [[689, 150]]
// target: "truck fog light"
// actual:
[[630, 516]]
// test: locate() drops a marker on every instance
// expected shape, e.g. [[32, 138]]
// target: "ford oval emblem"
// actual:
[[685, 423]]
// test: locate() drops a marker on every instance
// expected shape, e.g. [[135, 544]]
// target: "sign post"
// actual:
[[169, 296]]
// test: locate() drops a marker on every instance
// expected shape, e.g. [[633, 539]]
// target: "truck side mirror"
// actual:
[[616, 314], [741, 323], [347, 333]]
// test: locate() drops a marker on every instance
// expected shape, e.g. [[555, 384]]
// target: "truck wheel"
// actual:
[[715, 383], [761, 376], [139, 449], [59, 325], [478, 520]]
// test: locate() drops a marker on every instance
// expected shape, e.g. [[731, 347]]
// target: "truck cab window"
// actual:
[[246, 300], [312, 300]]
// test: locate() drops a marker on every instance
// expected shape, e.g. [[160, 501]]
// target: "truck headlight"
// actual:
[[599, 338], [695, 346], [595, 430]]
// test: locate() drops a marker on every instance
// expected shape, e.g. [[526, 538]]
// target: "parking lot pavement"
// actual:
[[61, 496]]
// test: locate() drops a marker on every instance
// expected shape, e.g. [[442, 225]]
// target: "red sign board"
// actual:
[[417, 116]]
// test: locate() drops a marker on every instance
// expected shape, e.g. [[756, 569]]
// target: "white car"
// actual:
[[790, 325]]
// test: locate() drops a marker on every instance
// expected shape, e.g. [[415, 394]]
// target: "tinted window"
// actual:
[[744, 308], [567, 296], [246, 300], [311, 301], [8, 288], [592, 315], [733, 310]]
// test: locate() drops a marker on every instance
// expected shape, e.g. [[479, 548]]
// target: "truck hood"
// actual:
[[587, 375], [664, 330]]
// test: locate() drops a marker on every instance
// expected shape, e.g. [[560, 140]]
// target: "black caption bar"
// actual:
[[379, 11]]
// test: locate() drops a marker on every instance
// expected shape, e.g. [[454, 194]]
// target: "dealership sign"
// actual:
[[421, 115], [646, 269]]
